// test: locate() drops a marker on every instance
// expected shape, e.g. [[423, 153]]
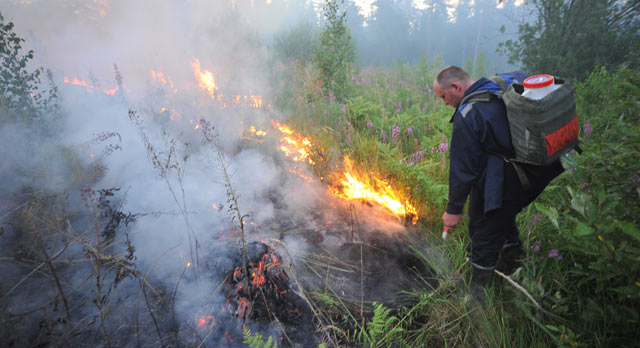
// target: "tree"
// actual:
[[16, 83], [296, 43], [21, 99], [570, 37], [336, 49]]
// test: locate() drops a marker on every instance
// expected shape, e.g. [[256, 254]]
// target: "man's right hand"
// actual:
[[451, 220]]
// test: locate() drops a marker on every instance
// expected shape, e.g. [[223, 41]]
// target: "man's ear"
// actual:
[[455, 86]]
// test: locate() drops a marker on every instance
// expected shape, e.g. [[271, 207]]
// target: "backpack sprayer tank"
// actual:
[[538, 86]]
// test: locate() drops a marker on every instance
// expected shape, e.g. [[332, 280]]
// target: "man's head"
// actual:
[[451, 83]]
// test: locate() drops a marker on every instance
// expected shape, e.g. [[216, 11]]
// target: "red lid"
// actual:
[[538, 81]]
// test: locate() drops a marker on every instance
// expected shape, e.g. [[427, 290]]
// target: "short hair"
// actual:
[[452, 73]]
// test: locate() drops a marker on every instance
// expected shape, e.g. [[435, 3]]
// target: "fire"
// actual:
[[255, 101], [376, 190], [205, 78], [78, 82], [258, 275], [206, 321], [349, 185], [112, 91], [90, 88], [294, 145], [257, 133], [164, 79]]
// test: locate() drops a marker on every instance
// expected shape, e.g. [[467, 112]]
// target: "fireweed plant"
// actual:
[[581, 236]]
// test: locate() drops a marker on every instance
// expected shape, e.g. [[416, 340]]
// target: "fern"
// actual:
[[383, 329], [256, 340]]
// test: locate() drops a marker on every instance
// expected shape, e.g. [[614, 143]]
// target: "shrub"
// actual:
[[587, 269], [295, 43], [20, 100]]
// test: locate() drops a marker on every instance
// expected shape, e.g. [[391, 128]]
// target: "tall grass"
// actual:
[[581, 236]]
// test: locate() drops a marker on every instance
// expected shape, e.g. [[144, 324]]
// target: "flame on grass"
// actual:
[[348, 184], [371, 188], [163, 79], [89, 87], [206, 79], [256, 132], [293, 144]]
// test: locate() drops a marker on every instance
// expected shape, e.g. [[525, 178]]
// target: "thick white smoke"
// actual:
[[182, 201]]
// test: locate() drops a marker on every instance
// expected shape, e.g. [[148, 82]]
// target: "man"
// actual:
[[480, 135]]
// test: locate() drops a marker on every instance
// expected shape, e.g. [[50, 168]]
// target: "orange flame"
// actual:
[[294, 145], [88, 87], [256, 132], [78, 82], [376, 190], [258, 275], [164, 79], [205, 78], [208, 320], [112, 91], [255, 101]]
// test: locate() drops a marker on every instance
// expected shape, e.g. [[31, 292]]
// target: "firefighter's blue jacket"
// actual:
[[483, 126]]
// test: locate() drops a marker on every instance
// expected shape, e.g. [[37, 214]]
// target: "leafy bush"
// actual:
[[295, 43], [587, 261], [20, 100]]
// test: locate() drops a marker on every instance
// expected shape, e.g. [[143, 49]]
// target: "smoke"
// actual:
[[127, 127]]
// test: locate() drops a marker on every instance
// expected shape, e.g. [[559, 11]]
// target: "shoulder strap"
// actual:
[[480, 96], [500, 81]]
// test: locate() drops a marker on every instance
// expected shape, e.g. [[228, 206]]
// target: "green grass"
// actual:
[[582, 237]]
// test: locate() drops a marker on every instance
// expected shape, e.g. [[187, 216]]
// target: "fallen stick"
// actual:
[[519, 287]]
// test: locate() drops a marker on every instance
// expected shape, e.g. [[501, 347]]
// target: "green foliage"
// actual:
[[569, 38], [20, 100], [256, 340], [295, 44], [335, 51], [383, 330], [16, 84], [587, 270]]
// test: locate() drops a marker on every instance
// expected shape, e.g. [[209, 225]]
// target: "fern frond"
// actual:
[[256, 340]]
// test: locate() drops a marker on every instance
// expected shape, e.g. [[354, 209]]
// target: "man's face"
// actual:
[[451, 94]]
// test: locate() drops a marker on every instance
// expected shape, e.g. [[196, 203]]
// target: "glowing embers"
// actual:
[[261, 290], [293, 144], [206, 321], [370, 188]]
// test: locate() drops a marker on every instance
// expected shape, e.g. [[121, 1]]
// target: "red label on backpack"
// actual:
[[560, 138]]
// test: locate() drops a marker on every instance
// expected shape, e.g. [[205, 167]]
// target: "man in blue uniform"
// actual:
[[496, 195]]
